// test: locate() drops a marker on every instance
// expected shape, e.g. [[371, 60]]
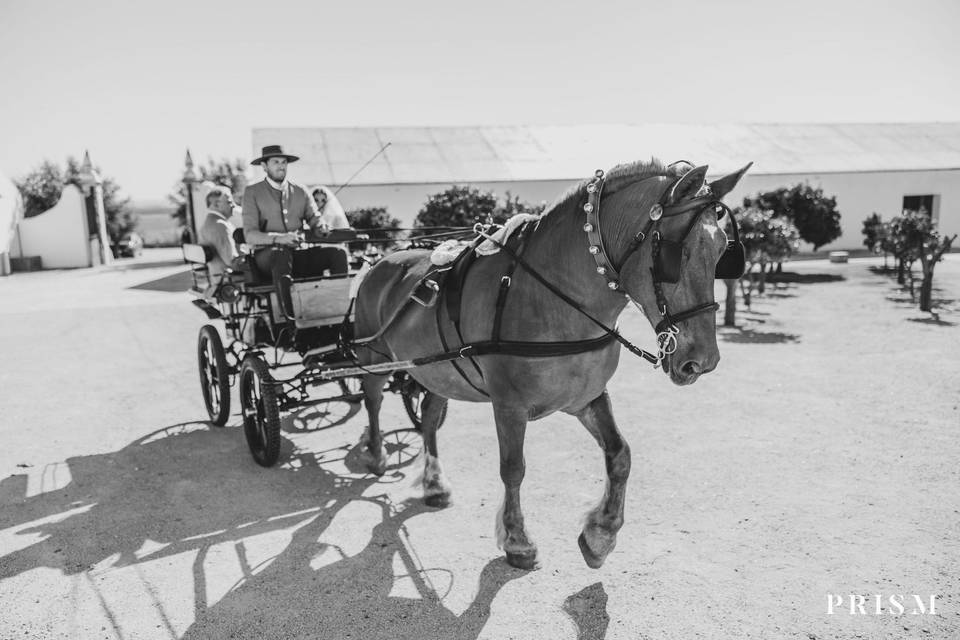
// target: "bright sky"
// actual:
[[137, 82]]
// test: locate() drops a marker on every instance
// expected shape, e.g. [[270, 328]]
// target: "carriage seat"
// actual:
[[318, 302]]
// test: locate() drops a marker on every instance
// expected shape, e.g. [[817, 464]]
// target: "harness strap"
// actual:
[[637, 351], [453, 300], [505, 283], [518, 348]]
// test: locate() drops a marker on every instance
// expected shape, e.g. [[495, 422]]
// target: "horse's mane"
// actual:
[[620, 176]]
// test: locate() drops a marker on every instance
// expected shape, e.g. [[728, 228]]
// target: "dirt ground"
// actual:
[[820, 458]]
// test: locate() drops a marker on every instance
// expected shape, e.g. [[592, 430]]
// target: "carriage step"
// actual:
[[212, 312]]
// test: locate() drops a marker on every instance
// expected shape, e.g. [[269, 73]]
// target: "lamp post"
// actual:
[[190, 177], [92, 185]]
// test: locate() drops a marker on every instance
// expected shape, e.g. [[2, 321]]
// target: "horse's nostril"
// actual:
[[690, 368]]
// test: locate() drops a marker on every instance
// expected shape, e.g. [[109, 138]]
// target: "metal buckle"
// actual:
[[426, 294]]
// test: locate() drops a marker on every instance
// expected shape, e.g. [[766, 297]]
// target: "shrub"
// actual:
[[374, 221]]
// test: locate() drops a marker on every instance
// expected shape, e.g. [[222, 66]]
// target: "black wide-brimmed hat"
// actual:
[[274, 151]]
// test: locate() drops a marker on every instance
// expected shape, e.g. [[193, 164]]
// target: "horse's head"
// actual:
[[671, 254]]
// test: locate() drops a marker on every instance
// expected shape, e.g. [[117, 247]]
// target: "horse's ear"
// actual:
[[689, 185], [725, 185]]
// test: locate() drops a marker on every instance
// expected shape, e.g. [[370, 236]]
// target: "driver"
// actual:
[[275, 211]]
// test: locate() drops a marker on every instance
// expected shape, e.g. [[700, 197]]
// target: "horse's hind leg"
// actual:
[[436, 489], [372, 385], [599, 535], [511, 533]]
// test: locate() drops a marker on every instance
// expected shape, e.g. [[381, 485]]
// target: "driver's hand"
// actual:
[[287, 239]]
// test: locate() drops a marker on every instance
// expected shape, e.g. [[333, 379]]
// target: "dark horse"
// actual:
[[653, 238]]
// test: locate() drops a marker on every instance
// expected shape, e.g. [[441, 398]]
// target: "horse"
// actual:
[[534, 334]]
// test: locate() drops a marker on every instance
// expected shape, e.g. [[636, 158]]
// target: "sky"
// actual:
[[138, 83]]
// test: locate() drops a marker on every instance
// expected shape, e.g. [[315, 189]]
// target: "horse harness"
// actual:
[[667, 254], [667, 258]]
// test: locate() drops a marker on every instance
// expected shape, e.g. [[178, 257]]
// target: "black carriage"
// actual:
[[279, 361]]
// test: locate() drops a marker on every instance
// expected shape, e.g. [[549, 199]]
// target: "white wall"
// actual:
[[861, 194], [59, 235], [858, 195]]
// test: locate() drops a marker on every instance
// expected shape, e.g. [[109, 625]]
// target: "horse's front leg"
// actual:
[[511, 534], [599, 535], [436, 489], [372, 385]]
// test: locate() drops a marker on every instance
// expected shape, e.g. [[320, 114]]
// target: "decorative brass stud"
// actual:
[[594, 249], [602, 270], [598, 173], [591, 188], [588, 207], [656, 212], [613, 285], [588, 227]]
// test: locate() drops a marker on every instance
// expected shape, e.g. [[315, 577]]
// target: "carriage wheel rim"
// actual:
[[211, 387], [254, 410]]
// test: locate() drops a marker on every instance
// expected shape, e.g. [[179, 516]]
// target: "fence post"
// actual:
[[190, 177], [92, 185]]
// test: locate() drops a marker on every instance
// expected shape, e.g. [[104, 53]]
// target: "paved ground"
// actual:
[[820, 458]]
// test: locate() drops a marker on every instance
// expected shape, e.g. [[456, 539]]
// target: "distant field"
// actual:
[[157, 229]]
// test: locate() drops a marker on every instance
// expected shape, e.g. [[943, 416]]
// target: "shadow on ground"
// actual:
[[804, 278], [98, 519], [933, 319], [174, 283], [746, 335]]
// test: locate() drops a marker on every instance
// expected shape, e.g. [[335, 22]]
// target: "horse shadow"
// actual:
[[163, 496]]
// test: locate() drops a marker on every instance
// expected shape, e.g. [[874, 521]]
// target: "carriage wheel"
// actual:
[[261, 412], [214, 375], [412, 394]]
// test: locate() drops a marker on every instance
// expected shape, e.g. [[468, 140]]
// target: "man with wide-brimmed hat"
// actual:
[[275, 211]]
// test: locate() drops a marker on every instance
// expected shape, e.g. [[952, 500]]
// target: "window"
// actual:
[[928, 204]]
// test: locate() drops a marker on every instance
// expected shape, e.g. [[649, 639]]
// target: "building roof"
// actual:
[[568, 152]]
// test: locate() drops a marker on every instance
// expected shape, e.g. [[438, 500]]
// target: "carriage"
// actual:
[[278, 362]]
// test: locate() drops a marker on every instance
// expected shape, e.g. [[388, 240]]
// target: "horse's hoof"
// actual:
[[593, 560], [378, 467], [437, 500], [525, 561]]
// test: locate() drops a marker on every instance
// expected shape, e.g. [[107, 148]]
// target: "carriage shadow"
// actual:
[[203, 490]]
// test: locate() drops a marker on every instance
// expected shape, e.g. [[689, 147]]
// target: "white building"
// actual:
[[869, 168]]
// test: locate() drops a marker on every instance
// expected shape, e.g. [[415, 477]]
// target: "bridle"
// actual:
[[666, 253]]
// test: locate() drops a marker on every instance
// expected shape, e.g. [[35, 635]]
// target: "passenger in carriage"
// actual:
[[217, 230], [331, 211], [275, 211]]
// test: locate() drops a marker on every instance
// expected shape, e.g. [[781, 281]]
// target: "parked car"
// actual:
[[129, 246]]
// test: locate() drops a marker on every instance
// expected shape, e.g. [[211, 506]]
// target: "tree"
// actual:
[[375, 222], [41, 190], [226, 173], [458, 206], [874, 234], [814, 215], [464, 206], [916, 238], [767, 240]]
